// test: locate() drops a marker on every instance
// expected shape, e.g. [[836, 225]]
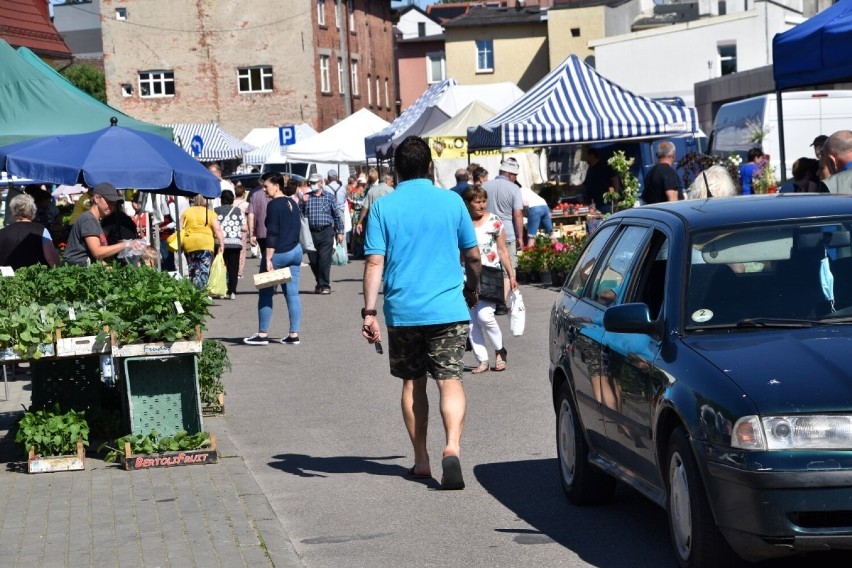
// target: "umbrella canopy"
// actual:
[[126, 158]]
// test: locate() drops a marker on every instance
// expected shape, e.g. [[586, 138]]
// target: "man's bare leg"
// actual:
[[415, 414], [452, 412]]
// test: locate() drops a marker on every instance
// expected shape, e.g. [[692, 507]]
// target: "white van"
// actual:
[[807, 114]]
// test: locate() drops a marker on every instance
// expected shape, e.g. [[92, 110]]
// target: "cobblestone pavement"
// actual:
[[205, 515]]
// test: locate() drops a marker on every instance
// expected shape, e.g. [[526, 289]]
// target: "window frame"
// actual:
[[321, 13], [264, 73], [340, 75], [353, 68], [325, 73], [430, 62], [484, 47], [725, 60], [151, 81], [369, 90]]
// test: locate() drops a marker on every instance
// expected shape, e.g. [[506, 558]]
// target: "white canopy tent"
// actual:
[[339, 144], [269, 150]]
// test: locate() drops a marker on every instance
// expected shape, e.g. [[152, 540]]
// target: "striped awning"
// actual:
[[381, 140], [209, 142], [573, 103]]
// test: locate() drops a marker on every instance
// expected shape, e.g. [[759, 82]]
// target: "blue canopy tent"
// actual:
[[815, 52], [420, 117], [574, 103]]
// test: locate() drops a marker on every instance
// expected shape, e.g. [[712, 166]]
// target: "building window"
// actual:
[[351, 9], [337, 13], [378, 93], [575, 32], [121, 13], [387, 99], [354, 66], [436, 67], [369, 92], [421, 29], [340, 75], [325, 79], [255, 79], [127, 90], [728, 58], [723, 7], [156, 84], [321, 12], [484, 55]]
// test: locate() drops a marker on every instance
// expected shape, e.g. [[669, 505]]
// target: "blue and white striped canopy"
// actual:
[[573, 103], [381, 141], [209, 142]]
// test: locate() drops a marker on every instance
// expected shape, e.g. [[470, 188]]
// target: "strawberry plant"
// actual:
[[212, 363], [153, 443]]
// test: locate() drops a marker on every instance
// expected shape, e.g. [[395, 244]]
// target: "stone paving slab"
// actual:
[[205, 515]]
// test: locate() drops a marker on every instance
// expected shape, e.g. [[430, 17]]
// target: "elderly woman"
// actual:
[[494, 253], [199, 226], [24, 242], [716, 179]]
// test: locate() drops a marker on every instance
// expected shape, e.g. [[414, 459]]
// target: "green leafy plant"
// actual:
[[212, 364], [52, 432], [621, 164], [26, 328], [567, 252], [153, 443]]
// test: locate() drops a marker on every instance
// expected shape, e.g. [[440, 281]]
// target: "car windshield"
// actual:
[[779, 275]]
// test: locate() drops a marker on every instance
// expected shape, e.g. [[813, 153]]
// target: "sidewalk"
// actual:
[[208, 515]]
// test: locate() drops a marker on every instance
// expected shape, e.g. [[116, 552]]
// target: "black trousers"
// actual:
[[320, 259], [231, 256]]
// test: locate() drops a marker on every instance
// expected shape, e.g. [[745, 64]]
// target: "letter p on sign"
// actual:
[[286, 135]]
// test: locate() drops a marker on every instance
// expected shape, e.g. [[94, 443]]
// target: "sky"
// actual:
[[420, 3]]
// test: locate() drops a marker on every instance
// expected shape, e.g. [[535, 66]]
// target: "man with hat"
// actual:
[[87, 242], [505, 201], [324, 221]]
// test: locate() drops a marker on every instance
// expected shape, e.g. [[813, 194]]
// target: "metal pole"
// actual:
[[781, 149]]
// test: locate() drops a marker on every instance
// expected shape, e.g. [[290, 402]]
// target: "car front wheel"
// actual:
[[583, 483], [696, 538]]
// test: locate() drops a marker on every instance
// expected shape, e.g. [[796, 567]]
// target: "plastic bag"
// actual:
[[517, 313], [340, 257], [305, 237], [217, 283]]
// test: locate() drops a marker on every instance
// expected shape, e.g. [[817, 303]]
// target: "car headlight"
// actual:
[[814, 432]]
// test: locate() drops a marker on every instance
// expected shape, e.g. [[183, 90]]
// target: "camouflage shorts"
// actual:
[[435, 349]]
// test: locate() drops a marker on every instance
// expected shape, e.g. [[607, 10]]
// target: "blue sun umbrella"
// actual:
[[124, 157]]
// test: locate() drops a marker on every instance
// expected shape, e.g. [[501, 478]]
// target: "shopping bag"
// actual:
[[517, 313], [340, 257], [217, 283], [305, 237], [172, 242]]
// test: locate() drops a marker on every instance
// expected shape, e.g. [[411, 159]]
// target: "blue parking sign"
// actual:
[[286, 135]]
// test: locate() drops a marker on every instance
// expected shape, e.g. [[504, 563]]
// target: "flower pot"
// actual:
[[557, 278], [545, 278], [535, 277], [522, 276]]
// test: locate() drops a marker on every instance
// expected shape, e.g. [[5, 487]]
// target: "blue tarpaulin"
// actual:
[[816, 51]]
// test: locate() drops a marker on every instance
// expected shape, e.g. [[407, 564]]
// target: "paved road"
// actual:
[[319, 427]]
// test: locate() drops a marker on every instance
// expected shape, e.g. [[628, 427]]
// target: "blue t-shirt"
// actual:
[[746, 174], [419, 229]]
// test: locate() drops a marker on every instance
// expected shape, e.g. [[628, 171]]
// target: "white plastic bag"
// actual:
[[517, 313]]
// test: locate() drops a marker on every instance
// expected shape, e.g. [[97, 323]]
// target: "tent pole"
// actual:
[[781, 149]]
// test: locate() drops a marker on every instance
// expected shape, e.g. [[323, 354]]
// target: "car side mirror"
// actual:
[[631, 318]]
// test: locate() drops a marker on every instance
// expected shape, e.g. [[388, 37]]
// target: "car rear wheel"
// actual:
[[583, 483], [696, 538]]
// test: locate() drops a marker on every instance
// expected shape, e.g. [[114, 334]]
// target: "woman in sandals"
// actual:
[[494, 253]]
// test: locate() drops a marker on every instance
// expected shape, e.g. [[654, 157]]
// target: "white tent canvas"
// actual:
[[270, 150], [340, 144], [495, 95]]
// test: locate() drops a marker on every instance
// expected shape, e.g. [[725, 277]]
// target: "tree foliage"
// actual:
[[88, 79]]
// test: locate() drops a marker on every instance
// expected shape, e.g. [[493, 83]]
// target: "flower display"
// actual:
[[545, 255], [764, 180]]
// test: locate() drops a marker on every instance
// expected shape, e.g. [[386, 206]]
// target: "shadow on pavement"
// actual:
[[311, 466], [629, 531]]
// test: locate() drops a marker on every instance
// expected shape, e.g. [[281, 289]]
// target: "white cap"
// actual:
[[510, 166]]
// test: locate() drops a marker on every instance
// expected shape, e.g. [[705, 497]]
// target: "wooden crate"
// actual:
[[49, 464], [170, 459], [158, 348], [47, 350], [215, 409]]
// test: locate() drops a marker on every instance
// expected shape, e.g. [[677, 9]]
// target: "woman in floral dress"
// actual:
[[493, 252]]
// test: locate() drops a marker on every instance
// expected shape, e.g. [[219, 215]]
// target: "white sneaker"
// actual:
[[233, 296]]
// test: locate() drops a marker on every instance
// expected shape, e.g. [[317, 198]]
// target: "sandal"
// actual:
[[500, 365], [482, 368]]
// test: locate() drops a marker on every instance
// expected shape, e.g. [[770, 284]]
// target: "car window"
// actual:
[[778, 271], [608, 283], [576, 283], [651, 276]]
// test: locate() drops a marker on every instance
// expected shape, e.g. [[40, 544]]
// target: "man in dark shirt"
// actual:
[[600, 179], [462, 181], [321, 210], [661, 183]]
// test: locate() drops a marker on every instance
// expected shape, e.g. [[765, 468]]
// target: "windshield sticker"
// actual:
[[702, 316]]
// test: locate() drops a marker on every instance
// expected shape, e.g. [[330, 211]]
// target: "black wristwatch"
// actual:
[[365, 312]]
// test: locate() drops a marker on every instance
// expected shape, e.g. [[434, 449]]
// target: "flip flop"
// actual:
[[452, 479], [410, 474]]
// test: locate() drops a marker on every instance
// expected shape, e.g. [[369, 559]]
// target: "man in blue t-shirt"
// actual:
[[413, 239]]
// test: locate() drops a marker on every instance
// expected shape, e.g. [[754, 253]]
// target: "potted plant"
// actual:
[[212, 364], [629, 195], [764, 180], [567, 252], [54, 440]]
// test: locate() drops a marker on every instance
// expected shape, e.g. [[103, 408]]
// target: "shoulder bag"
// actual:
[[491, 284]]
